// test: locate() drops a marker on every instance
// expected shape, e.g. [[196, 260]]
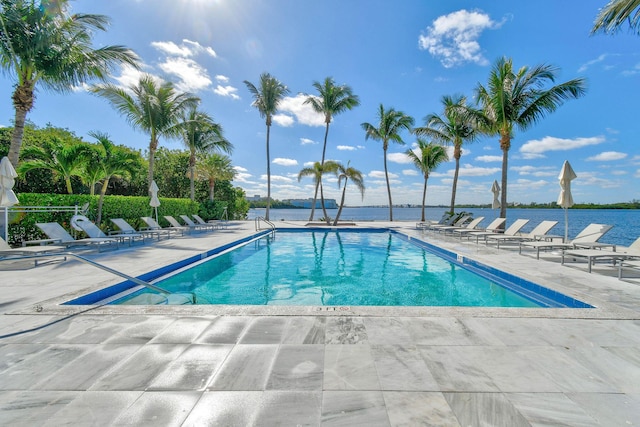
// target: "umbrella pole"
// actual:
[[6, 223], [566, 225], [156, 209]]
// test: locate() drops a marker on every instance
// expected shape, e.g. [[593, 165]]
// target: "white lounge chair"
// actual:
[[126, 228], [587, 238], [219, 223], [8, 253], [153, 225], [539, 232], [56, 232], [189, 222], [512, 230], [471, 225], [456, 224], [593, 255], [174, 223], [493, 227], [633, 265], [94, 231]]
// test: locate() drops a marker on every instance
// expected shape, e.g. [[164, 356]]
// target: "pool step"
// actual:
[[156, 299]]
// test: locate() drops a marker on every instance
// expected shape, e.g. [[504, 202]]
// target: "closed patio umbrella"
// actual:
[[565, 200], [7, 196], [495, 189], [154, 202]]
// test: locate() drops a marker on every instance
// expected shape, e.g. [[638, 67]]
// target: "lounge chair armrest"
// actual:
[[40, 242]]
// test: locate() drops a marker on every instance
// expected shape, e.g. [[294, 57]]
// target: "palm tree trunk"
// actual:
[[16, 137], [454, 187], [153, 146], [344, 191], [503, 195], [192, 178], [424, 197], [324, 211], [67, 181], [315, 198], [212, 186], [324, 149], [386, 175], [266, 216]]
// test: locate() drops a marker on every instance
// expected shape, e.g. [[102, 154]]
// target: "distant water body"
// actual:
[[626, 222]]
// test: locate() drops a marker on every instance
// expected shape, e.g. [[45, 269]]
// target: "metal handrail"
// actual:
[[271, 225]]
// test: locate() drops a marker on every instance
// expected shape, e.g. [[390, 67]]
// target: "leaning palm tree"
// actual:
[[201, 134], [214, 167], [150, 106], [107, 161], [390, 124], [427, 158], [266, 98], [517, 99], [316, 172], [453, 127], [52, 49], [63, 159], [615, 14], [348, 173], [332, 100]]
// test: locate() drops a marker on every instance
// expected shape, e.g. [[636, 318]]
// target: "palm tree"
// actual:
[[517, 99], [149, 106], [316, 172], [201, 134], [390, 124], [615, 14], [52, 50], [348, 173], [106, 161], [454, 127], [214, 167], [332, 100], [266, 98], [64, 160], [428, 157]]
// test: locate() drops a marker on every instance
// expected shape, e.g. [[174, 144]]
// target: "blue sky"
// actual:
[[404, 54]]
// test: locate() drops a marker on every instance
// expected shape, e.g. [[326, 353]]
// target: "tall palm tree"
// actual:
[[428, 157], [348, 173], [106, 161], [63, 159], [214, 167], [51, 49], [316, 172], [201, 134], [332, 100], [149, 106], [453, 127], [266, 98], [517, 99], [390, 124], [615, 14]]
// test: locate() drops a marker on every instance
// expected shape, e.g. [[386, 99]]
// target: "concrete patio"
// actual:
[[290, 366]]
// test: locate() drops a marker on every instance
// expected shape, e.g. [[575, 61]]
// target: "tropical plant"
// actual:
[[201, 134], [105, 161], [454, 127], [150, 106], [427, 157], [519, 99], [390, 124], [332, 100], [347, 173], [62, 159], [611, 17], [316, 172], [266, 98], [50, 48], [214, 167]]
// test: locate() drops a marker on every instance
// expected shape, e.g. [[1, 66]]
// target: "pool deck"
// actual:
[[342, 366]]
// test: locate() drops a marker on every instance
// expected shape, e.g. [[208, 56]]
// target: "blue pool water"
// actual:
[[350, 268]]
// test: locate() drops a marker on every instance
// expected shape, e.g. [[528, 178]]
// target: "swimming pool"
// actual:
[[347, 268]]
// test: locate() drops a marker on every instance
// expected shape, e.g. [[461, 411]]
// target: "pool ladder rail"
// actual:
[[176, 298], [271, 225]]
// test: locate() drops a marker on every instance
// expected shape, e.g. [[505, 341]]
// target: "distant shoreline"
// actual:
[[579, 206]]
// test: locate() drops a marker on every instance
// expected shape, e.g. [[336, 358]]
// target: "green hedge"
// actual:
[[22, 226]]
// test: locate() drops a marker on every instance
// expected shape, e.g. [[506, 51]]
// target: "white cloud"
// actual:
[[303, 113], [536, 171], [619, 172], [307, 141], [191, 75], [283, 120], [380, 174], [536, 147], [222, 79], [308, 164], [489, 159], [285, 162], [607, 156], [241, 169], [588, 64], [346, 148], [130, 77], [453, 38], [468, 170], [277, 178], [410, 172], [226, 91], [186, 49], [399, 158]]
